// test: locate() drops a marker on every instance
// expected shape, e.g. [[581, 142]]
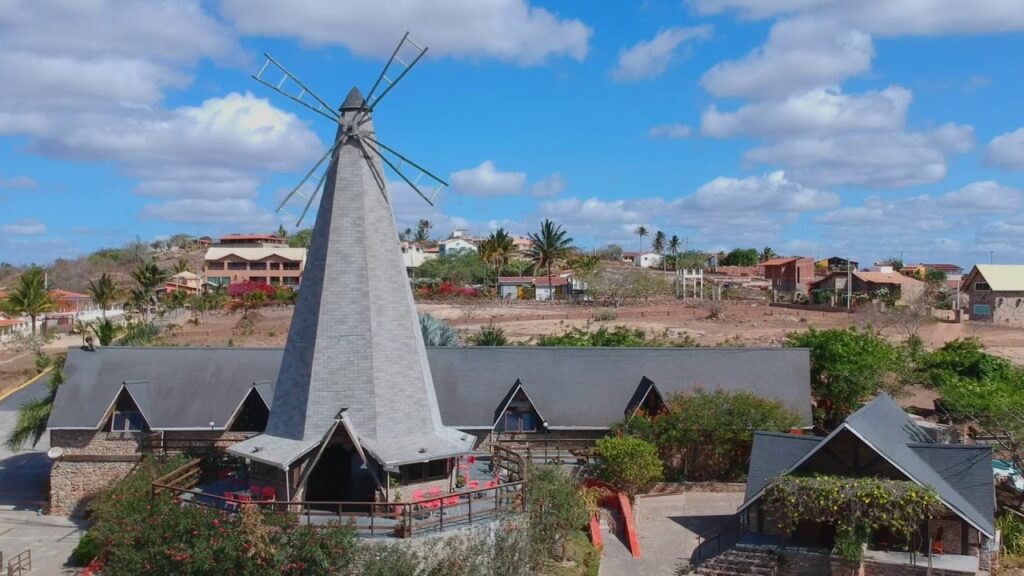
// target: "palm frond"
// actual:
[[31, 425]]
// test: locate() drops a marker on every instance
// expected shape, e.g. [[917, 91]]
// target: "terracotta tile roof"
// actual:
[[59, 294], [779, 261]]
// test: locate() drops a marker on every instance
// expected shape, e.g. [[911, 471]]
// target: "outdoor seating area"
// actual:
[[488, 487]]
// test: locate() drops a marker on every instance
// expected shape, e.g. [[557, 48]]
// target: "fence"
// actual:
[[20, 564]]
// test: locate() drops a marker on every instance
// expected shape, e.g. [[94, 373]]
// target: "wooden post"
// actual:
[[440, 512]]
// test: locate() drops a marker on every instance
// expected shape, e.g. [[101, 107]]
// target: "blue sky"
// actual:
[[817, 127]]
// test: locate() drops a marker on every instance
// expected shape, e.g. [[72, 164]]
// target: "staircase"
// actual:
[[741, 560]]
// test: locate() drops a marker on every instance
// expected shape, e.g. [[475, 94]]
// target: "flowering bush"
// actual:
[[446, 290], [853, 505], [240, 290]]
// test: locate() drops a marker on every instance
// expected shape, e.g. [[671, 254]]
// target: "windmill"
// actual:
[[297, 202]]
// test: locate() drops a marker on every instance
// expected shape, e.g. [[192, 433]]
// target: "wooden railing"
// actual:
[[551, 450], [401, 519], [185, 477], [20, 564], [157, 443]]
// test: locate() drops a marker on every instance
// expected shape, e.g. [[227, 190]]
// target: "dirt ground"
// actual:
[[724, 323], [15, 368]]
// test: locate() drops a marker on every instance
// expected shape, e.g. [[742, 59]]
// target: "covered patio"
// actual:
[[490, 488]]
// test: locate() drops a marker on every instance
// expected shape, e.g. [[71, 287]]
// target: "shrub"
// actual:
[[628, 463], [605, 315], [619, 336], [707, 435], [490, 335], [556, 509]]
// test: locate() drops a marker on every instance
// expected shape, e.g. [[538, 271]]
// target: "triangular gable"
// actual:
[[253, 395], [516, 390], [644, 391], [124, 392], [908, 463]]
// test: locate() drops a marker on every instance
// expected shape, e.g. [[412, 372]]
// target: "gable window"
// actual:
[[981, 286], [518, 413], [517, 420], [127, 421]]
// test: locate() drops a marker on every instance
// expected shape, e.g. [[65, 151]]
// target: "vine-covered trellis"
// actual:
[[854, 506]]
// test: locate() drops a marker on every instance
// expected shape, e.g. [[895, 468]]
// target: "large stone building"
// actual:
[[995, 293]]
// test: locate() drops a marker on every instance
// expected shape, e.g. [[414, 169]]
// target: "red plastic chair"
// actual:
[[244, 498], [471, 459], [269, 493]]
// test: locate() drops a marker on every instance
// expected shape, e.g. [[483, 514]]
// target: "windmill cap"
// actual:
[[354, 100]]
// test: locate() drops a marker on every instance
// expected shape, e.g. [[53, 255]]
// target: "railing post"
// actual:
[[470, 505], [373, 509], [440, 512]]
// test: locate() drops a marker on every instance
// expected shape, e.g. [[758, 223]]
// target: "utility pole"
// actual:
[[991, 256], [849, 282]]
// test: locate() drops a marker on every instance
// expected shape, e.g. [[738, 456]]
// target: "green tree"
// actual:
[[550, 247], [489, 335], [148, 276], [496, 249], [767, 254], [847, 367], [658, 245], [34, 414], [741, 257], [556, 508], [628, 463], [894, 261], [673, 248], [707, 435], [462, 267], [423, 228], [437, 332], [105, 331], [30, 296], [620, 336], [282, 232], [641, 231], [301, 238], [103, 292]]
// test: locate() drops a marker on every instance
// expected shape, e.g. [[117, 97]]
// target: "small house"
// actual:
[[788, 275], [534, 287], [996, 294], [648, 260], [898, 287]]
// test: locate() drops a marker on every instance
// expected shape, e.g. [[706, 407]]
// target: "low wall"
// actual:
[[73, 484]]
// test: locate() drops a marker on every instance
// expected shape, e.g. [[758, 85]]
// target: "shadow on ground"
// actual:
[[23, 479]]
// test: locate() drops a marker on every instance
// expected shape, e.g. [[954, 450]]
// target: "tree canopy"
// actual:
[[741, 257], [847, 367]]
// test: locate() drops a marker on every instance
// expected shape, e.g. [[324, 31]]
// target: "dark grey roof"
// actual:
[[354, 100], [887, 427], [571, 387], [591, 387], [174, 387], [773, 454], [958, 474]]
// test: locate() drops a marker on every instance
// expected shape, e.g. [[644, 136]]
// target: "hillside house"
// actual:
[[995, 293], [414, 255], [188, 282], [541, 287], [897, 286], [252, 240], [74, 306], [264, 264], [920, 270], [648, 260], [835, 264], [788, 276], [454, 246]]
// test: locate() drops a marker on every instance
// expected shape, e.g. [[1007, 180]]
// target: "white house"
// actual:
[[11, 327], [647, 260], [414, 255], [518, 287], [455, 245]]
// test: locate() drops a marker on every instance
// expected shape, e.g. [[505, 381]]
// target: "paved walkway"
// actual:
[[668, 528], [22, 480]]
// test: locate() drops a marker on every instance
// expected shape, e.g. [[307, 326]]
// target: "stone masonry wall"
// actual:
[[74, 484]]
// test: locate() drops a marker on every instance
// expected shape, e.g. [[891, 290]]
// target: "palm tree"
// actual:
[[33, 415], [282, 232], [423, 228], [767, 254], [673, 247], [550, 248], [148, 276], [658, 245], [496, 249], [641, 231], [30, 296], [103, 292], [437, 332], [182, 265]]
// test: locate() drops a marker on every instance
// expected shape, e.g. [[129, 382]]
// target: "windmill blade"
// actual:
[[318, 174], [396, 68], [418, 177], [290, 86]]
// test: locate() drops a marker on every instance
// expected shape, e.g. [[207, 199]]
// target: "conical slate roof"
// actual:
[[355, 345]]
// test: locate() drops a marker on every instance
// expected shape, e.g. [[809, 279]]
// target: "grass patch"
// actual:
[[582, 559]]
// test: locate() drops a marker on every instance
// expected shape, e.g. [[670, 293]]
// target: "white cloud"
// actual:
[[485, 180], [800, 54], [508, 30], [18, 183], [551, 185], [770, 192], [870, 159], [889, 17], [984, 196], [818, 111], [237, 213], [27, 227], [592, 211], [670, 131], [650, 58], [1007, 150]]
